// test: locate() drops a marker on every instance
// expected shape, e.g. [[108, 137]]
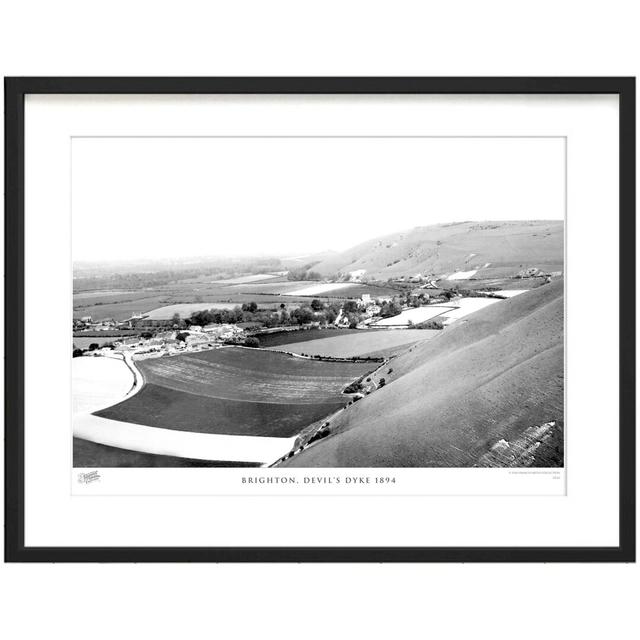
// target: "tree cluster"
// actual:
[[303, 273]]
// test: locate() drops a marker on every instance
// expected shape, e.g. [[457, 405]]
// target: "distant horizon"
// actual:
[[240, 257], [157, 198]]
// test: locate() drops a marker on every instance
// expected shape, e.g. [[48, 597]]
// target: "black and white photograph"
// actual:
[[318, 302]]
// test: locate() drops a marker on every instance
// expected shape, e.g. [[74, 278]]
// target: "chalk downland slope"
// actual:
[[447, 401], [508, 247]]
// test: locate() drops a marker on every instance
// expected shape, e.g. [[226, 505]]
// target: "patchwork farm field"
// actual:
[[236, 391], [361, 343], [268, 292], [121, 306], [144, 302]]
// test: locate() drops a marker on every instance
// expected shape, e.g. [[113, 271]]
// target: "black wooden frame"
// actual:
[[15, 91]]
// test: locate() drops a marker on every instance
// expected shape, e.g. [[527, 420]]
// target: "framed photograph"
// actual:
[[320, 319]]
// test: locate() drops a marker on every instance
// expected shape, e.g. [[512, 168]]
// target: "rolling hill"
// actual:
[[507, 248], [447, 401]]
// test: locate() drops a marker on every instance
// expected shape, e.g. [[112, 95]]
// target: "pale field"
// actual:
[[98, 382], [462, 275], [448, 313], [185, 310], [467, 306], [181, 444], [417, 315], [317, 289], [367, 342]]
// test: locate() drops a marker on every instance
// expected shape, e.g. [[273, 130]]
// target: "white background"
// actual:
[[331, 38]]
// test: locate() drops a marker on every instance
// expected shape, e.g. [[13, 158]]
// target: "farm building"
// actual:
[[222, 331]]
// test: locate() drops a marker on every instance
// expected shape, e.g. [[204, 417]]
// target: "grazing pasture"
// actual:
[[361, 343], [236, 391]]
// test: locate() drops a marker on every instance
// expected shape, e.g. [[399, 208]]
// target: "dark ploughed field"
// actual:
[[237, 391], [280, 338], [93, 455]]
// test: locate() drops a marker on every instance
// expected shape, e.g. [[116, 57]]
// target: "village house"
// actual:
[[104, 325], [197, 339], [373, 310], [166, 335], [222, 331]]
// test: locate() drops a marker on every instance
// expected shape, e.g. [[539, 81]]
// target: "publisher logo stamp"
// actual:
[[88, 477]]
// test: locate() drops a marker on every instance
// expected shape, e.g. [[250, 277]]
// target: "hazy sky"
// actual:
[[181, 197]]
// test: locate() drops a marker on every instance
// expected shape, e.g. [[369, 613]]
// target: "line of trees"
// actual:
[[315, 311], [304, 273]]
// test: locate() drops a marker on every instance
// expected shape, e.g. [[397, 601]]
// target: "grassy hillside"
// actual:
[[440, 249], [448, 400]]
